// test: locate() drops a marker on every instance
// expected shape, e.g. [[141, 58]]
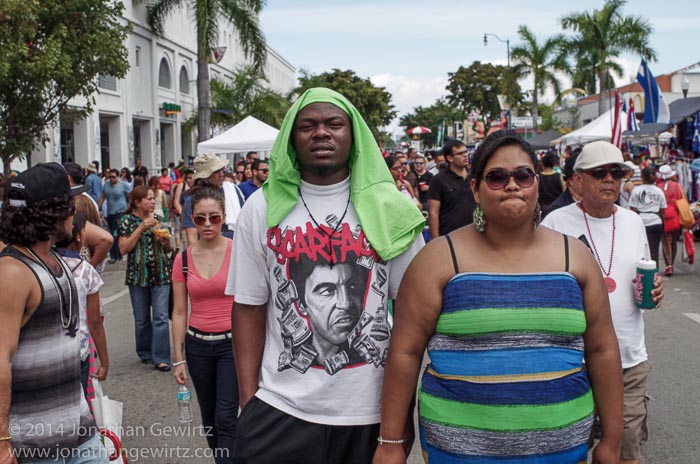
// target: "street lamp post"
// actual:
[[685, 85], [507, 42]]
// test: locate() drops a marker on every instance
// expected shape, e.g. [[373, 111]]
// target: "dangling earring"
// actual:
[[479, 219], [537, 217]]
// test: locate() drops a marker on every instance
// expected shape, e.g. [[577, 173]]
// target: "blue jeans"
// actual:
[[152, 333], [113, 223], [90, 452], [213, 373]]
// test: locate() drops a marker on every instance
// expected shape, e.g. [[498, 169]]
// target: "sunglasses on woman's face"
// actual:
[[201, 219], [499, 178]]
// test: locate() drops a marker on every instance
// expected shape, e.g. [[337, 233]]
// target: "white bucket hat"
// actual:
[[665, 172], [206, 164]]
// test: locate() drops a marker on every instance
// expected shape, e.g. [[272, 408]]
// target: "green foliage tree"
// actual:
[[601, 36], [431, 117], [549, 122], [584, 74], [245, 95], [243, 14], [50, 52], [475, 89], [373, 103], [540, 60]]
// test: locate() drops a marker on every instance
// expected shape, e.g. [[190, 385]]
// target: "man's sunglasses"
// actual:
[[263, 170], [239, 172], [499, 178], [201, 219], [602, 173]]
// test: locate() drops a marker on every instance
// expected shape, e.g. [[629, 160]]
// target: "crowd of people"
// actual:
[[300, 308]]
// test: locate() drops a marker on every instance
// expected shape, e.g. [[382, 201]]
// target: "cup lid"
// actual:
[[646, 264]]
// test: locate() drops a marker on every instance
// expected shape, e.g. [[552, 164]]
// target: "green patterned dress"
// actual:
[[148, 263]]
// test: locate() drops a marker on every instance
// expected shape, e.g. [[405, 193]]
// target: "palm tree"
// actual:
[[602, 35], [541, 60], [245, 95], [584, 74], [243, 14]]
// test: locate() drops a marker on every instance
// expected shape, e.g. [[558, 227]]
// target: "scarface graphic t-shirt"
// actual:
[[326, 291]]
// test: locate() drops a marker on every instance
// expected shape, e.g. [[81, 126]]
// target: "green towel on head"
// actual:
[[390, 221]]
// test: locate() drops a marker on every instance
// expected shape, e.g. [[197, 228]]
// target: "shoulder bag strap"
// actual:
[[185, 268]]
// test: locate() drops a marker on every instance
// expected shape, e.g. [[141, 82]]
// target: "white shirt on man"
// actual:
[[327, 332], [630, 246]]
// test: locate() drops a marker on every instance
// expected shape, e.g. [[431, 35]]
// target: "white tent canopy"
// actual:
[[598, 129], [248, 135]]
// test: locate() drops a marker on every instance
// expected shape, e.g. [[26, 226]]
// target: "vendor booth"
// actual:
[[248, 135]]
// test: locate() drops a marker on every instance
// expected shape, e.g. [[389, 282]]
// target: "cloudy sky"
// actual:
[[409, 46]]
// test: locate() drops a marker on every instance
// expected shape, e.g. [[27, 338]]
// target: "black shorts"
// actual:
[[266, 435]]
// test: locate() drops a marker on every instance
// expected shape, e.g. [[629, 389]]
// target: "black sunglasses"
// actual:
[[499, 178], [602, 173], [263, 170]]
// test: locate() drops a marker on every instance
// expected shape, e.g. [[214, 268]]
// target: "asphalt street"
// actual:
[[152, 433]]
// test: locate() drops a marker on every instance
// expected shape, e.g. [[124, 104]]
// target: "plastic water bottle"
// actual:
[[184, 400]]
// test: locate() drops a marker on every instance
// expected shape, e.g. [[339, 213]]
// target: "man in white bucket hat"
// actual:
[[617, 239], [210, 167]]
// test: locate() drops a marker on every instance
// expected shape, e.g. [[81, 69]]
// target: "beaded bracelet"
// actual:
[[384, 441]]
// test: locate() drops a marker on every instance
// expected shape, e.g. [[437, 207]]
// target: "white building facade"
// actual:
[[142, 115]]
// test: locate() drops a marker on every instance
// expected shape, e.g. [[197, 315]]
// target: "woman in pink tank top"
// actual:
[[202, 345]]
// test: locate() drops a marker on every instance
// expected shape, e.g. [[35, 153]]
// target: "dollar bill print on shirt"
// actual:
[[324, 286]]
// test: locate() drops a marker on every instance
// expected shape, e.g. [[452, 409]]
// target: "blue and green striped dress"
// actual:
[[506, 382]]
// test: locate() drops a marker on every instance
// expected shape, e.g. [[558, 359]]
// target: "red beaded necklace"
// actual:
[[609, 281]]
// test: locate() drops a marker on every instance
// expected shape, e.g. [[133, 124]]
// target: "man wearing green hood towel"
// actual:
[[319, 251]]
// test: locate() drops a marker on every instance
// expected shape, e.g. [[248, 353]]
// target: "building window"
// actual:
[[184, 81], [164, 75], [107, 82], [137, 57], [67, 145]]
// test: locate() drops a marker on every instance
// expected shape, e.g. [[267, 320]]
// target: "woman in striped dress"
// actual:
[[509, 313]]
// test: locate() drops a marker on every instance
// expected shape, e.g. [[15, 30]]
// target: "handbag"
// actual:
[[688, 247], [108, 415], [685, 215]]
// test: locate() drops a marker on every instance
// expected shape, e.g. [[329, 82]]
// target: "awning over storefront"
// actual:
[[647, 129], [684, 107], [541, 141]]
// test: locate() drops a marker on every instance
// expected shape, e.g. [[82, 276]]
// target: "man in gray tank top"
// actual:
[[44, 416]]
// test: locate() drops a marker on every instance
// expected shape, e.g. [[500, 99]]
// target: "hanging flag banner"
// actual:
[[655, 107], [616, 138], [696, 134], [632, 123], [217, 54]]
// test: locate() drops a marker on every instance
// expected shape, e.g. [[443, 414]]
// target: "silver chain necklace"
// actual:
[[66, 312], [335, 229]]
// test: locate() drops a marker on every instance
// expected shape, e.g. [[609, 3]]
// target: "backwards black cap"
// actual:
[[45, 182]]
